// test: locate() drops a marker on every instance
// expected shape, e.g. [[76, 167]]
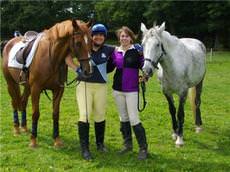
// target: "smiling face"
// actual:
[[125, 39], [98, 39], [125, 36]]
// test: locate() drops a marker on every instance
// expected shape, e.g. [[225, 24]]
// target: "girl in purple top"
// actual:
[[127, 60]]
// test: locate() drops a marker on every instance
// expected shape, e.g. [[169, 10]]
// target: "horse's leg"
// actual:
[[14, 92], [35, 96], [180, 117], [57, 95], [24, 101], [172, 111], [198, 121]]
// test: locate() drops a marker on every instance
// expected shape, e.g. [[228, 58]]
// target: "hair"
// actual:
[[127, 31]]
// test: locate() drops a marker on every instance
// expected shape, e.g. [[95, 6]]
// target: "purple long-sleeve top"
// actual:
[[127, 69]]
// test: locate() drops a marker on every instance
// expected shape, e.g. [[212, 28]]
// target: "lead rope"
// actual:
[[87, 115], [143, 89]]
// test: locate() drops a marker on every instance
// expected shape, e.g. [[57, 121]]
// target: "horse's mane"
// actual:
[[166, 37], [169, 37], [60, 30]]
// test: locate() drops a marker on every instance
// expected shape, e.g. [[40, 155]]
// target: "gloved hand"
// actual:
[[79, 73], [143, 78], [139, 48]]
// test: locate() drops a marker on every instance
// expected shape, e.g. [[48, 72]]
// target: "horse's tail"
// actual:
[[3, 43], [192, 97], [203, 47]]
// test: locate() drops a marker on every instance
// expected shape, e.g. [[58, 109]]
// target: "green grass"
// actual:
[[207, 151]]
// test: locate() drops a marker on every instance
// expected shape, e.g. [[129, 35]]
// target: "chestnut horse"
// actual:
[[68, 37]]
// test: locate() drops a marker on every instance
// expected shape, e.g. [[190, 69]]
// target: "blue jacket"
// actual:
[[99, 60]]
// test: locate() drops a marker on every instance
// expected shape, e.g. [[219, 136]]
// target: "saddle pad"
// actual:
[[12, 62]]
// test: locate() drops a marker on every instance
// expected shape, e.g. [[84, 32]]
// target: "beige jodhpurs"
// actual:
[[91, 99]]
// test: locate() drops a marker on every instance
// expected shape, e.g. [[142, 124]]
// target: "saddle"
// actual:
[[29, 39]]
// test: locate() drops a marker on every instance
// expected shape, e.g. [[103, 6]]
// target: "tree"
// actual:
[[119, 13], [39, 15], [200, 19]]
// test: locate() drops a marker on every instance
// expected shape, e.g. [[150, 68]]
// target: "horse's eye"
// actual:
[[158, 45]]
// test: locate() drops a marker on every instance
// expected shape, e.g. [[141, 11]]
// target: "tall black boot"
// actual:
[[141, 139], [100, 133], [127, 136], [83, 130]]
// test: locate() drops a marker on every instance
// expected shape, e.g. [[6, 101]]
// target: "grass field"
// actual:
[[207, 151]]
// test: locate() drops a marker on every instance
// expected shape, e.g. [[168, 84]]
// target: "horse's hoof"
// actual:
[[24, 129], [174, 136], [179, 142], [58, 143], [33, 143], [16, 131], [198, 129]]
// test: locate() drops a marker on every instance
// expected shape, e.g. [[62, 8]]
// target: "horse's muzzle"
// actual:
[[148, 72]]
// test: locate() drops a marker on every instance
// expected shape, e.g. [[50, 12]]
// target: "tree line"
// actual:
[[204, 20]]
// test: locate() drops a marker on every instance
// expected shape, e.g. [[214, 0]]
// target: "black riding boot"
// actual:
[[141, 139], [83, 130], [127, 136], [100, 133]]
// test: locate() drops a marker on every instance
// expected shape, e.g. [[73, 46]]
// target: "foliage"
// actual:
[[204, 20], [208, 151]]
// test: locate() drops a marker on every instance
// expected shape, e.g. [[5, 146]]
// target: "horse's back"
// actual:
[[194, 45]]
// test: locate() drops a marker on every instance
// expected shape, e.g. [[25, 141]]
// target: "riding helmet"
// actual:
[[99, 28]]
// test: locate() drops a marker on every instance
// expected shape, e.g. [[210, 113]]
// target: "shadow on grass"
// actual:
[[112, 160]]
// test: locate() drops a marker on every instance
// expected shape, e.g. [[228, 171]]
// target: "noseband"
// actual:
[[154, 64]]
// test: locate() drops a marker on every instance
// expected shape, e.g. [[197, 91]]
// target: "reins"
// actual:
[[67, 86], [143, 90], [154, 64]]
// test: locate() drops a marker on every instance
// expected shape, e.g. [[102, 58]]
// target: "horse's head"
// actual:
[[81, 45], [153, 48]]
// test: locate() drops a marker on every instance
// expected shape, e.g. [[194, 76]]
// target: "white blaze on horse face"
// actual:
[[86, 39]]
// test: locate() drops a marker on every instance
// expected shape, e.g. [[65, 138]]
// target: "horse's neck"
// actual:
[[58, 50], [170, 44], [60, 30], [169, 41]]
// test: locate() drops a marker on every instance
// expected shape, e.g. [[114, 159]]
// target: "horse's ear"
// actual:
[[90, 23], [154, 23], [74, 23], [162, 27], [143, 28]]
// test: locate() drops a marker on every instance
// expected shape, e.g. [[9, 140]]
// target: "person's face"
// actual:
[[125, 39], [98, 39]]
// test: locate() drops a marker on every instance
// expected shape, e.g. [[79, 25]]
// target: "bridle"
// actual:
[[79, 58], [153, 63]]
